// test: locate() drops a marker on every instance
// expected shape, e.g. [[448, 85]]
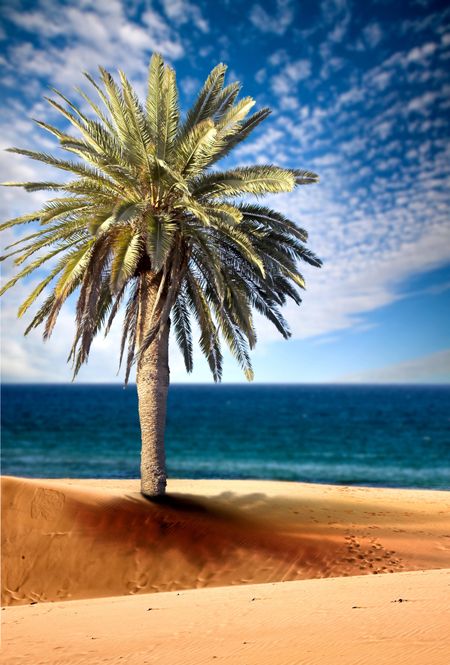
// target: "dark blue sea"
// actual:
[[365, 435]]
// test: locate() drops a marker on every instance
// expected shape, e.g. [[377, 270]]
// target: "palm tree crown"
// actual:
[[144, 200]]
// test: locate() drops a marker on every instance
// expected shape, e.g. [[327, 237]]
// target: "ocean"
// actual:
[[391, 436]]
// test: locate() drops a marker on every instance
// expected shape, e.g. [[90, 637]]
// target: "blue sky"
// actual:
[[360, 92]]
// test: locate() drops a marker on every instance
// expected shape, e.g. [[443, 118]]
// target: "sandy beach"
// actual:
[[93, 572]]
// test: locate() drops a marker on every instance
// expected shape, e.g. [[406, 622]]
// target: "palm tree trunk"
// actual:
[[152, 385]]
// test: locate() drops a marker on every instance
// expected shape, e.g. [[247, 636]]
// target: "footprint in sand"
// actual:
[[46, 502], [134, 586]]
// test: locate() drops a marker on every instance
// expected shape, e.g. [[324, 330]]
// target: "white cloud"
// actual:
[[336, 15], [419, 53], [421, 103], [432, 368], [261, 75], [183, 11], [373, 34], [288, 102], [276, 23], [285, 82], [277, 57], [431, 21], [71, 39], [260, 147], [190, 84]]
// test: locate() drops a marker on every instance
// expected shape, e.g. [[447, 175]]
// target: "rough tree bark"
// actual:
[[152, 385]]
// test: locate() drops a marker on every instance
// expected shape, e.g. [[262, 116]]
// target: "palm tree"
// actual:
[[148, 225]]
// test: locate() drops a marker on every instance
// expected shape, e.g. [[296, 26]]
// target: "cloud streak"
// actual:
[[432, 368]]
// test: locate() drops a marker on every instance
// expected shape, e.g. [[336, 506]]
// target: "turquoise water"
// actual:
[[368, 435]]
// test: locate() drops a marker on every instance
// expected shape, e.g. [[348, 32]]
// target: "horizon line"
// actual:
[[233, 383]]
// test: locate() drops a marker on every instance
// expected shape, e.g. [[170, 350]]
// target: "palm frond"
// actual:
[[182, 326], [41, 314], [116, 106], [154, 103], [73, 167], [234, 115], [127, 250], [33, 266], [160, 235], [305, 177], [22, 219], [255, 180], [207, 102], [144, 207], [209, 336], [39, 288], [138, 123], [247, 127], [226, 99], [272, 219], [195, 151], [73, 270]]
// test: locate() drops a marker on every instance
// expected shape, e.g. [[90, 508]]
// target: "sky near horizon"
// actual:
[[360, 93]]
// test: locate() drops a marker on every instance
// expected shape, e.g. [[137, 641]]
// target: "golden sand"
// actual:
[[101, 541]]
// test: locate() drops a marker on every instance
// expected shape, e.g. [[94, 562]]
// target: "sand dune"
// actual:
[[351, 621], [87, 539]]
